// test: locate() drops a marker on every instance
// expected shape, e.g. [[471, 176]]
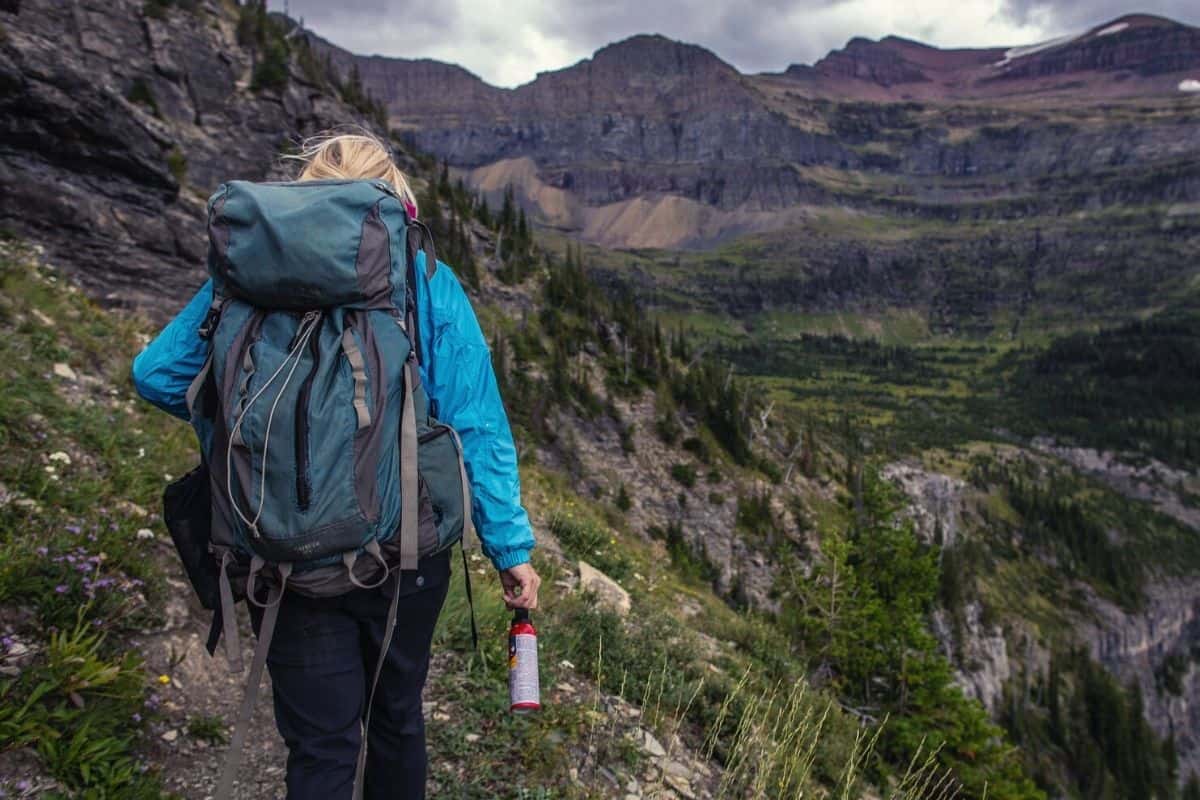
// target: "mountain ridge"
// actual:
[[881, 128], [937, 57]]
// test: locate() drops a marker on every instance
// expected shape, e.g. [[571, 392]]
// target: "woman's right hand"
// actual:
[[520, 586]]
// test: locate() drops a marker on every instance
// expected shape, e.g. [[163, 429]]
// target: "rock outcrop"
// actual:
[[607, 591], [978, 652], [115, 126], [1163, 486], [937, 502], [1136, 647]]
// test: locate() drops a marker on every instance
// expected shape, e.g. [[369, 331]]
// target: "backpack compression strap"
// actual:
[[410, 488], [237, 742]]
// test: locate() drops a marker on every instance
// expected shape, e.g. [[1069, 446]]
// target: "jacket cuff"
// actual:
[[510, 559]]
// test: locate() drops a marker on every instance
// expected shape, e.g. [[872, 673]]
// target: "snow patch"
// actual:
[[1014, 53], [1111, 29], [1189, 85]]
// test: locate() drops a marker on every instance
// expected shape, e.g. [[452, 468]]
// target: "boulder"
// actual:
[[606, 590]]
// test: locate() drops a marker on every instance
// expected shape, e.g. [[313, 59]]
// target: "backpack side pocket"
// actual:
[[442, 471]]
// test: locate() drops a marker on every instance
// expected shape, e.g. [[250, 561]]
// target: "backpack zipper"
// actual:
[[303, 482]]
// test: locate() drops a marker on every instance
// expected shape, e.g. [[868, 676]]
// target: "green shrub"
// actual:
[[628, 446], [157, 9], [690, 562], [177, 164], [685, 474], [697, 447], [623, 502], [667, 427], [77, 708], [754, 513], [769, 468], [208, 728], [271, 72], [585, 538], [139, 92]]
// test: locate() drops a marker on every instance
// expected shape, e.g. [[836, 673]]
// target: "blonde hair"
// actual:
[[360, 155]]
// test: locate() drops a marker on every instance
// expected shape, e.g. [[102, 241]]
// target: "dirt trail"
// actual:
[[203, 686]]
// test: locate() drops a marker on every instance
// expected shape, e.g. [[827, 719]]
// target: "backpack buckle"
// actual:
[[209, 326]]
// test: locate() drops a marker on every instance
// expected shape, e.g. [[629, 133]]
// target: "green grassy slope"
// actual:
[[82, 469]]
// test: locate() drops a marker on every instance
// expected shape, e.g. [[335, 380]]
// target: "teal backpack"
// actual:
[[326, 468]]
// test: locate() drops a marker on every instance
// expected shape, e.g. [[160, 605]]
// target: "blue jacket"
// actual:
[[456, 371]]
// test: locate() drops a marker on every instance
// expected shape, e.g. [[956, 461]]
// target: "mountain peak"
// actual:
[[1141, 20], [653, 51]]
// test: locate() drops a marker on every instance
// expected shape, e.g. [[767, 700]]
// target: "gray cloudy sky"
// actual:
[[509, 43]]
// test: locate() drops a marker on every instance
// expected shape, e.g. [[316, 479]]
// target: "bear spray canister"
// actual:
[[523, 692]]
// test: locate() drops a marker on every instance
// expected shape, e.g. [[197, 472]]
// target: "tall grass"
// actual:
[[764, 738]]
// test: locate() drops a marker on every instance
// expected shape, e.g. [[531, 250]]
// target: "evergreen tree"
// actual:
[[483, 213]]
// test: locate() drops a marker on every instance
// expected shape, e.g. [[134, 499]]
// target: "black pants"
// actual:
[[322, 659]]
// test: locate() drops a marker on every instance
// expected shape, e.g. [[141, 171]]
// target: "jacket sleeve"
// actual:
[[458, 375], [163, 371]]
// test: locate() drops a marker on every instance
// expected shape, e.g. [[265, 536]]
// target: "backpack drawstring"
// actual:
[[307, 325]]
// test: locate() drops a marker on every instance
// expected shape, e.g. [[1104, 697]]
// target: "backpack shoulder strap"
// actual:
[[425, 244]]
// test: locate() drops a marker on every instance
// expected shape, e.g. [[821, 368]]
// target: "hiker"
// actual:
[[326, 650]]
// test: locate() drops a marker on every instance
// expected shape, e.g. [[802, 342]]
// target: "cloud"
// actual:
[[510, 47], [1066, 16]]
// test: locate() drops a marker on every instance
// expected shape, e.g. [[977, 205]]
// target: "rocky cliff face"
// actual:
[[596, 127], [444, 92], [1137, 647], [864, 60], [115, 126], [1139, 44]]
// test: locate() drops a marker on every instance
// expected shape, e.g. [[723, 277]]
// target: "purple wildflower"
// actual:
[[61, 588], [75, 529], [43, 551], [137, 717]]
